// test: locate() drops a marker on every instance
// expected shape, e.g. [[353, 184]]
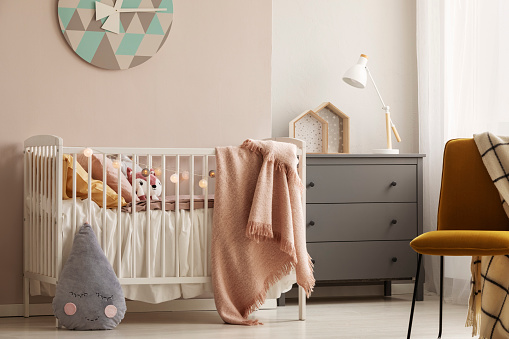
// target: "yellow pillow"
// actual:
[[82, 186]]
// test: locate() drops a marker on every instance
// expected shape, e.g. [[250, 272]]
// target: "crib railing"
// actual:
[[176, 155], [42, 196]]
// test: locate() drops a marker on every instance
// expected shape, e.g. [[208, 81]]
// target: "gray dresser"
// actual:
[[362, 212]]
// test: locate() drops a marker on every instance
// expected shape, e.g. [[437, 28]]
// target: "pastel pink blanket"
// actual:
[[258, 235]]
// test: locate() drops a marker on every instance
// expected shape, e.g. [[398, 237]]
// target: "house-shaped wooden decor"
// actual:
[[338, 140], [311, 128]]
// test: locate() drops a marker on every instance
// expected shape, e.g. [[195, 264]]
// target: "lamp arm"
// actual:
[[385, 107], [374, 84]]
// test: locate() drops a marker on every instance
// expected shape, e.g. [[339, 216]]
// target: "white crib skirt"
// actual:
[[151, 293]]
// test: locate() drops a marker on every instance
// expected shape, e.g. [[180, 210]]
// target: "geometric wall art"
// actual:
[[117, 34]]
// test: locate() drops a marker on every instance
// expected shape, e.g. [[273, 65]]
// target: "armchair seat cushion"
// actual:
[[462, 243]]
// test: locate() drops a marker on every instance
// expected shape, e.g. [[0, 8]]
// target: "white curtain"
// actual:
[[463, 84]]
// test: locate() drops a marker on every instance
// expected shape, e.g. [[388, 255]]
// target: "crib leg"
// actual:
[[26, 297], [302, 304], [57, 324]]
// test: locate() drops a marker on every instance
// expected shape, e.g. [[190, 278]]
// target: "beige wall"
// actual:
[[315, 43], [208, 86]]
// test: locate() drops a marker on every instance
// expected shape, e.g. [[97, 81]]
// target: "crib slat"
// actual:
[[26, 192], [206, 211], [53, 210], [119, 222], [33, 169], [58, 218], [177, 217], [133, 213], [42, 239], [39, 217], [149, 240], [163, 216], [191, 211], [89, 214], [46, 243], [103, 210], [74, 214]]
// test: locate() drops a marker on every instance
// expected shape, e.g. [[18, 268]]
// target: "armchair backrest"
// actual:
[[468, 198]]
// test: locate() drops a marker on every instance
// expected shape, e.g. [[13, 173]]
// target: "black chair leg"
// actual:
[[419, 258], [441, 296]]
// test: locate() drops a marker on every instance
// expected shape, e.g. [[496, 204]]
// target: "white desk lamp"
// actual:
[[356, 76]]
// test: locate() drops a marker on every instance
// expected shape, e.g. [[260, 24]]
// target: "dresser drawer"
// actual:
[[361, 183], [363, 260], [354, 222]]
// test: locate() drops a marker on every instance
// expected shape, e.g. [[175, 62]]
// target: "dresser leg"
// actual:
[[387, 288]]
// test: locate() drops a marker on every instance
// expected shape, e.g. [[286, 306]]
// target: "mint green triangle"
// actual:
[[89, 44], [129, 44], [87, 4], [65, 15], [131, 3], [155, 27], [167, 4]]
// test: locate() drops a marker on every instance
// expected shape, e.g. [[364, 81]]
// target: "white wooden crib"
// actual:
[[44, 216]]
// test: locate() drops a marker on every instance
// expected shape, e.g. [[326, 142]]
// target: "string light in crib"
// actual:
[[185, 175], [174, 178], [116, 164], [145, 172], [212, 173], [88, 152], [203, 183], [158, 172]]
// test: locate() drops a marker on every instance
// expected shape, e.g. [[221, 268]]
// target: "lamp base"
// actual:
[[386, 151]]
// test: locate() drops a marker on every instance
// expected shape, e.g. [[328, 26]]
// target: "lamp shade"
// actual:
[[356, 75]]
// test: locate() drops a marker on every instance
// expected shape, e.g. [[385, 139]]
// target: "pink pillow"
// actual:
[[111, 174]]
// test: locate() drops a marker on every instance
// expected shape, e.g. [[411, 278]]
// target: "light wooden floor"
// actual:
[[348, 317]]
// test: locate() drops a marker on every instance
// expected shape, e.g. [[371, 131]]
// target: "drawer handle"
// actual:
[[394, 221], [311, 223], [394, 183], [394, 259], [311, 184]]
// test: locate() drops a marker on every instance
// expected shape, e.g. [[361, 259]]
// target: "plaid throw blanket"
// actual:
[[488, 312]]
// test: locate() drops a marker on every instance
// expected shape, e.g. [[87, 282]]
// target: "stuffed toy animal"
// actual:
[[144, 187], [88, 294]]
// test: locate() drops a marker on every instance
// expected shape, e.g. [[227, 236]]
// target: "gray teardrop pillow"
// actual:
[[88, 294]]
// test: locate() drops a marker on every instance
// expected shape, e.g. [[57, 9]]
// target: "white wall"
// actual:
[[315, 42]]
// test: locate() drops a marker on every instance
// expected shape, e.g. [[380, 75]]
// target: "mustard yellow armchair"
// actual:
[[471, 220]]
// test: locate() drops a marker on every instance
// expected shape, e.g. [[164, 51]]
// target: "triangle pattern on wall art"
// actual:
[[95, 25], [115, 40], [105, 55], [156, 3], [65, 15], [75, 23], [124, 61], [135, 26], [86, 16], [125, 20], [74, 38], [155, 27], [146, 19]]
